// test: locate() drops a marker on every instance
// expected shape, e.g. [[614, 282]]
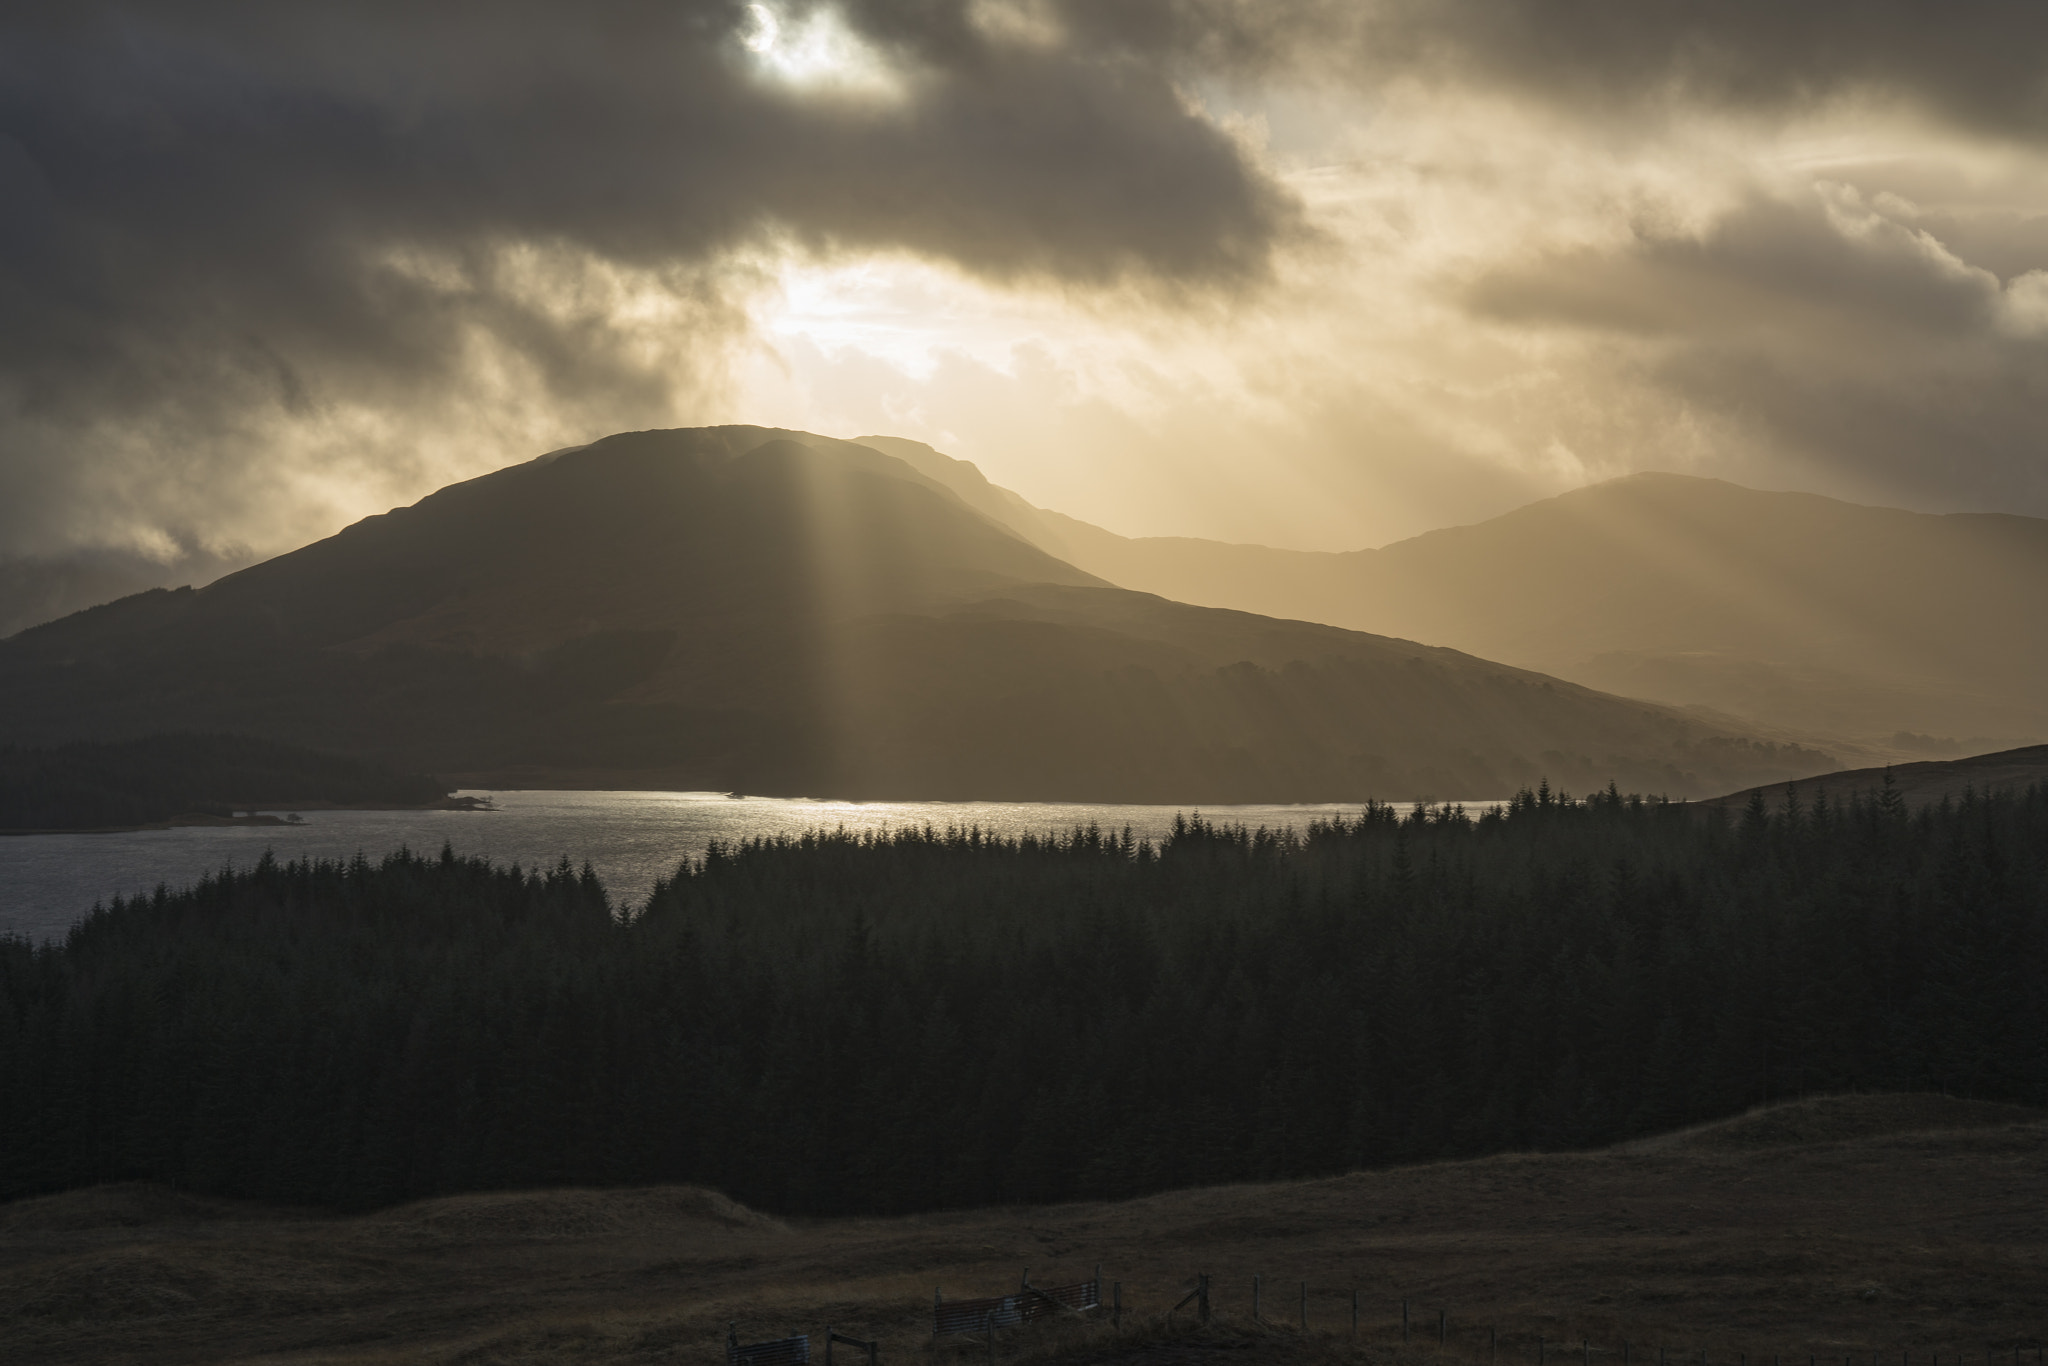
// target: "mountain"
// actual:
[[772, 611], [1909, 632], [36, 589]]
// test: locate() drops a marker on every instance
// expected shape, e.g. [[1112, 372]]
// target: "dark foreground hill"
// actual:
[[737, 608], [1916, 784], [1889, 1229], [1910, 632], [92, 786]]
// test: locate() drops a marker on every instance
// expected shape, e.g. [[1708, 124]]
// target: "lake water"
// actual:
[[632, 838]]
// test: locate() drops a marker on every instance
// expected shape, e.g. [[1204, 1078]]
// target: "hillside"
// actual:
[[1908, 1224], [738, 608], [88, 786], [1917, 784], [1910, 633]]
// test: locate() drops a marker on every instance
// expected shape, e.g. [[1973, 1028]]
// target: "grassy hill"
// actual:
[[1917, 784], [1909, 633], [1829, 1227], [740, 608]]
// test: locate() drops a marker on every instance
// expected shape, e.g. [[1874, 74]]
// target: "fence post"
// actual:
[[1304, 1306], [988, 1321], [1440, 1329], [1255, 1297], [1205, 1296], [828, 1345], [1404, 1320], [1116, 1313], [1354, 1311], [1586, 1351], [1492, 1342], [1539, 1349], [874, 1352], [935, 1311]]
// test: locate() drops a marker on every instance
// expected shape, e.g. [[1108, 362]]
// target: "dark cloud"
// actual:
[[1976, 62], [223, 216], [1838, 340], [234, 233]]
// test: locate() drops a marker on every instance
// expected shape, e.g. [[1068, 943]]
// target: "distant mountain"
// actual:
[[771, 611], [34, 590], [1910, 632]]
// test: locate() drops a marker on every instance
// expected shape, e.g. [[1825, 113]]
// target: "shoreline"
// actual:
[[202, 819]]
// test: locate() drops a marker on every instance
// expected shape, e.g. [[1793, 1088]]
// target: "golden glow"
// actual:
[[1362, 396], [817, 51]]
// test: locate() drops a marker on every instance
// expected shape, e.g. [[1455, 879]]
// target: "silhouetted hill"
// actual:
[[36, 589], [1931, 780], [90, 786], [1910, 632], [772, 611]]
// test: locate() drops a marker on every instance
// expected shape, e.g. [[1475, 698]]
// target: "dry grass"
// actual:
[[1859, 1223]]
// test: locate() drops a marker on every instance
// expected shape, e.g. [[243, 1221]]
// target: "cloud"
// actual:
[[265, 268], [1832, 331], [1972, 62], [263, 265]]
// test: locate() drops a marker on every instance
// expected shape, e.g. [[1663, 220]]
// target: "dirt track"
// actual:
[[1860, 1224]]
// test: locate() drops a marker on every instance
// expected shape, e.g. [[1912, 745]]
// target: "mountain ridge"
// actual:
[[1799, 613], [766, 611]]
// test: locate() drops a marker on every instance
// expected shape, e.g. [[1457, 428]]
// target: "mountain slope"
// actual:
[[774, 611], [1920, 784], [1790, 609]]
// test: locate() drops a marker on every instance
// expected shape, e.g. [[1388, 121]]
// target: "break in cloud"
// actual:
[[1311, 273], [259, 256]]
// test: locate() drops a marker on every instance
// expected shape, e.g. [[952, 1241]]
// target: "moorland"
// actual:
[[1846, 1229]]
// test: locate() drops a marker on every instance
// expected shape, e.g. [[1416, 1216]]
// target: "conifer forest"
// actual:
[[934, 1019]]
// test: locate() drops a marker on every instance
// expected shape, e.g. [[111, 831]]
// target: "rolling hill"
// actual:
[[742, 608], [1917, 784], [1830, 1226], [1911, 634]]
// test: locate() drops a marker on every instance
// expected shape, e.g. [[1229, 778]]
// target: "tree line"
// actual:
[[846, 1023]]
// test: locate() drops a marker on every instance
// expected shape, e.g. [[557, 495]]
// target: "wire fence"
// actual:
[[1342, 1313]]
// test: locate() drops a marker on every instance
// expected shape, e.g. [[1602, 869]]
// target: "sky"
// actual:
[[1321, 275]]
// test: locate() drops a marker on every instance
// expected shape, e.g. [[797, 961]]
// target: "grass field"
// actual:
[[1831, 1228]]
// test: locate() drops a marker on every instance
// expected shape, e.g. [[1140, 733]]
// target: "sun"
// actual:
[[818, 51]]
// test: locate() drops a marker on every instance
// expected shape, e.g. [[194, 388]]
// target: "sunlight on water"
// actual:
[[631, 838]]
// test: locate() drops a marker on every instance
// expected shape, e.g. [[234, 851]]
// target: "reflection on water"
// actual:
[[631, 838]]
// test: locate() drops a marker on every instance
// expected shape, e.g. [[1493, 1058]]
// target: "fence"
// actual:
[[1030, 1302], [832, 1335], [1635, 1354], [794, 1351], [1011, 1311]]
